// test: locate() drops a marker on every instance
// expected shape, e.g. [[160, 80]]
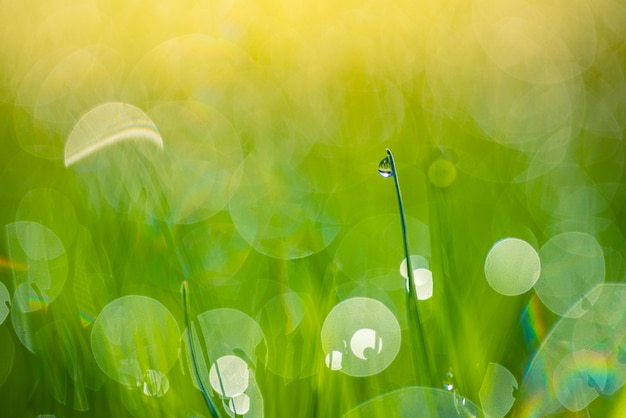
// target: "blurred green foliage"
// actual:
[[236, 146]]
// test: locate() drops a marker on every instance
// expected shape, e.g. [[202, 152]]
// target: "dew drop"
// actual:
[[448, 381], [384, 167]]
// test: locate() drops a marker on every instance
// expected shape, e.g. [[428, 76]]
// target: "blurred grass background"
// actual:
[[273, 117]]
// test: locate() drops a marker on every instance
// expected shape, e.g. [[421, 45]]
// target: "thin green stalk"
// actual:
[[183, 260], [421, 358], [184, 290]]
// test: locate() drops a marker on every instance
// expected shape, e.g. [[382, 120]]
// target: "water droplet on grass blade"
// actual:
[[448, 381], [384, 167]]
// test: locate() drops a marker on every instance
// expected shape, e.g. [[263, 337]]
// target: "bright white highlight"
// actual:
[[106, 125], [512, 266], [365, 339], [229, 376]]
